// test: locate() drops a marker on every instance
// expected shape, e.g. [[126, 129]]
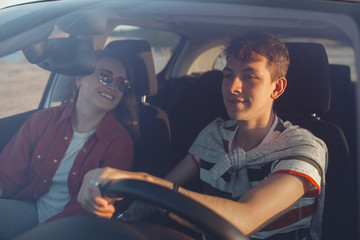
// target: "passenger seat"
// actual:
[[151, 151]]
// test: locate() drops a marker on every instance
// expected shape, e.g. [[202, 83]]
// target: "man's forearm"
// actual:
[[185, 171], [1, 192], [258, 207]]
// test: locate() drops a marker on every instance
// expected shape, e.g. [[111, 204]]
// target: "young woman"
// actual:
[[42, 167]]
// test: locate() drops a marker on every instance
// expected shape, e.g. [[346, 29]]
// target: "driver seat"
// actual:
[[304, 103]]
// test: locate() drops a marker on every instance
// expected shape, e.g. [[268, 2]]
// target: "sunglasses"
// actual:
[[107, 77]]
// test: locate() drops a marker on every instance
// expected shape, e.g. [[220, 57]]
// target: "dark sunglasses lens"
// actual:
[[123, 85], [105, 77]]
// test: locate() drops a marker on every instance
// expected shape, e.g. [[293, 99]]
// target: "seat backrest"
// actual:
[[151, 149], [308, 89], [192, 102], [343, 104], [305, 101]]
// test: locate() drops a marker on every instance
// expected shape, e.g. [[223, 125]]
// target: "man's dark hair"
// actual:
[[263, 44]]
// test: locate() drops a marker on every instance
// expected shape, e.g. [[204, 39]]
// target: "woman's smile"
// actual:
[[106, 95]]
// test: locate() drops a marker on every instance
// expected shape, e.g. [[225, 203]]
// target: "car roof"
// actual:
[[189, 17]]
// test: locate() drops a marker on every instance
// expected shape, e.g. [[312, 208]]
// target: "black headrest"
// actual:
[[309, 84], [340, 75], [138, 52], [341, 88]]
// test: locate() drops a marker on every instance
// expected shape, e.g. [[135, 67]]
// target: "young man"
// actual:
[[263, 175]]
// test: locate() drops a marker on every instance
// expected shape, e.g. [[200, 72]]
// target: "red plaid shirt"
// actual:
[[30, 160]]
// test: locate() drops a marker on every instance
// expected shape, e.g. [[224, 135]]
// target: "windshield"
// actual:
[[25, 26], [29, 27]]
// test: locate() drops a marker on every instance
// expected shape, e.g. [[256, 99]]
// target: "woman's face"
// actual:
[[95, 94]]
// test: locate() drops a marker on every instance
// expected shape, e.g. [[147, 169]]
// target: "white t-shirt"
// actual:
[[54, 201]]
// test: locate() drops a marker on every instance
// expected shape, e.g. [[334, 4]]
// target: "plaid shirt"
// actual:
[[31, 158]]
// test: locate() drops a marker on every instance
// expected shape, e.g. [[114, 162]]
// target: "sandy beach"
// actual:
[[22, 85]]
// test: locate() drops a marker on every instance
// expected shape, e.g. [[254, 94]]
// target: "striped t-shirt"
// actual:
[[228, 186]]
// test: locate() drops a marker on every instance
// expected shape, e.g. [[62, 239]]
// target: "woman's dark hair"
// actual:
[[263, 44]]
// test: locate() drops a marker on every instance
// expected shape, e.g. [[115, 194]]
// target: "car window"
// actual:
[[22, 85], [162, 43], [208, 60]]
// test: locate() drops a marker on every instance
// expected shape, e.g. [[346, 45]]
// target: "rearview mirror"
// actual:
[[67, 56]]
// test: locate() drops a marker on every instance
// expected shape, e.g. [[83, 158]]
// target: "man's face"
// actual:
[[247, 89]]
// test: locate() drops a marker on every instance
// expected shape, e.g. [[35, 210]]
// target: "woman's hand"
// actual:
[[90, 197]]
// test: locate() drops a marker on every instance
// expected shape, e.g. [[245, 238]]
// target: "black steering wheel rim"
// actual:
[[210, 222]]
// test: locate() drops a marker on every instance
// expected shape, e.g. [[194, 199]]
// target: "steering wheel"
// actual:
[[211, 223], [94, 228]]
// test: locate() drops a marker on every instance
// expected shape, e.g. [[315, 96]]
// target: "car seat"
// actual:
[[190, 107], [305, 101], [343, 104], [151, 150]]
